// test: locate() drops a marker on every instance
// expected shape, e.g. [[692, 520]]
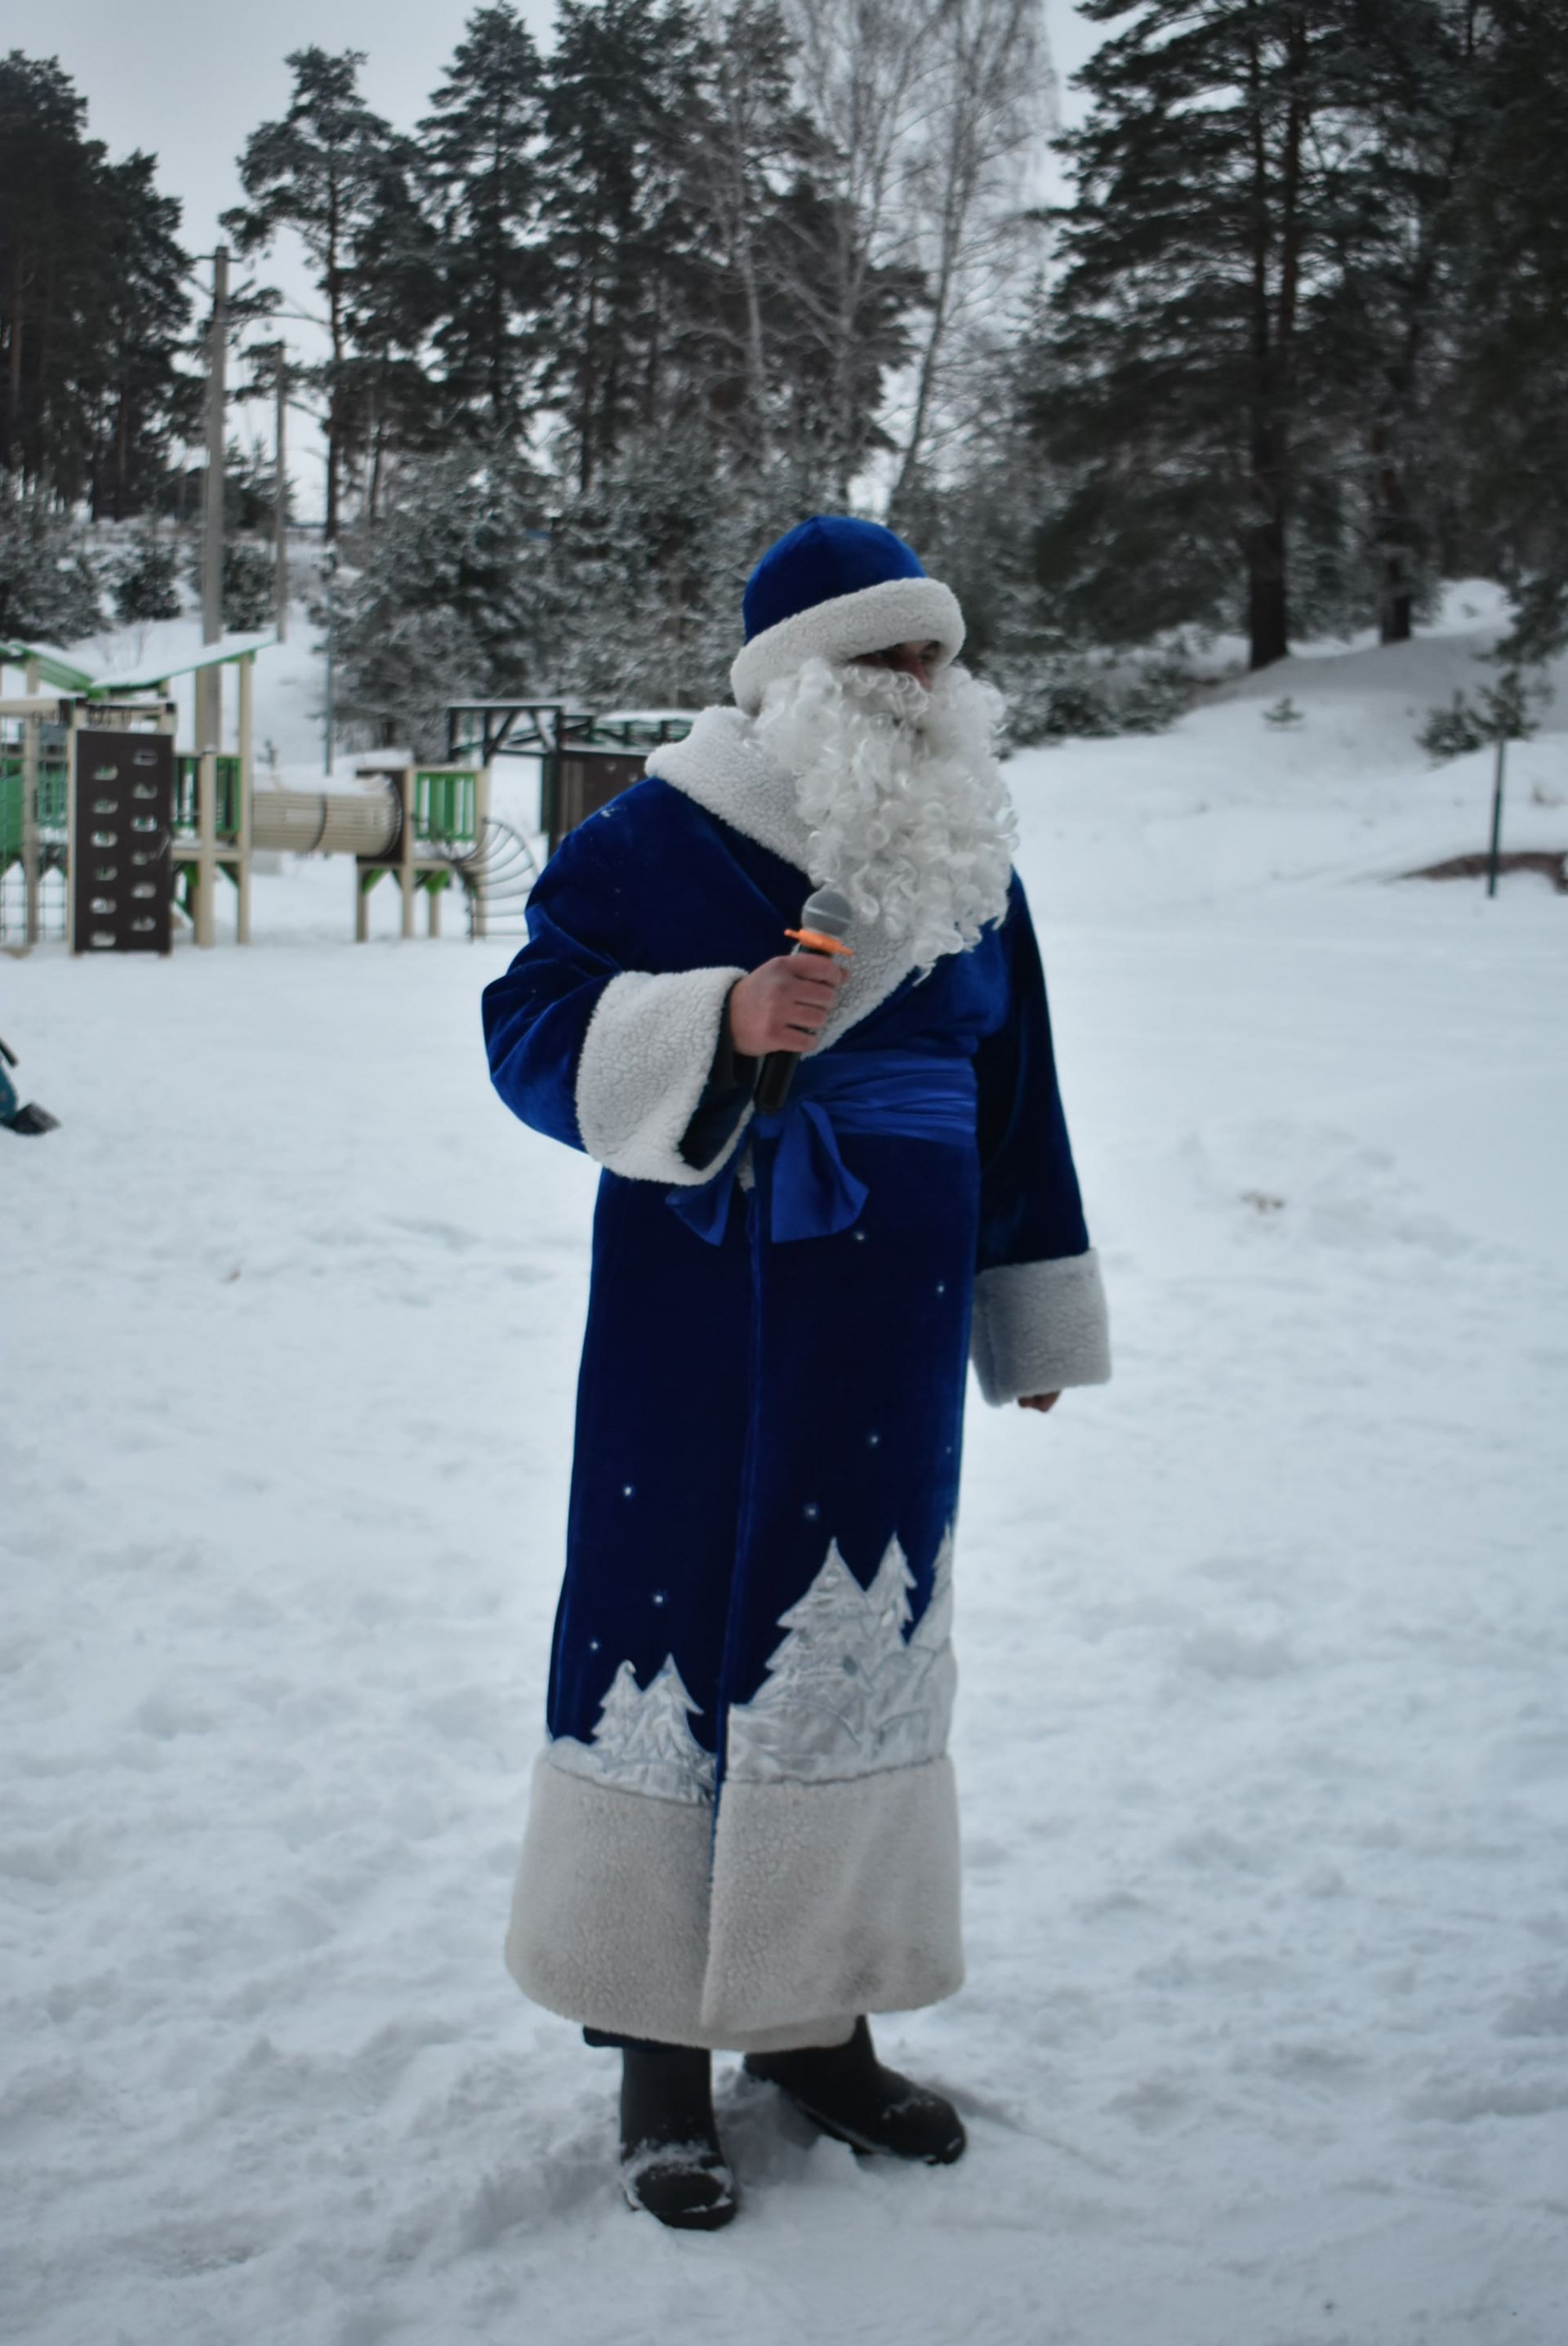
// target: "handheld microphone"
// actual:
[[824, 924]]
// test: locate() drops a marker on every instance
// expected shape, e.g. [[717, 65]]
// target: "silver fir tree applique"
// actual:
[[644, 1739], [849, 1692]]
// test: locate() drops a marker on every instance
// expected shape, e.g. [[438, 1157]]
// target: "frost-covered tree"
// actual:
[[646, 569], [49, 586], [445, 599], [146, 581]]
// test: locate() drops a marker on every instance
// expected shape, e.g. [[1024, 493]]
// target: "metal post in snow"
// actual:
[[1496, 815]]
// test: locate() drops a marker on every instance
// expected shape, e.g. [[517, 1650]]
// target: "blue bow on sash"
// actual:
[[901, 1095]]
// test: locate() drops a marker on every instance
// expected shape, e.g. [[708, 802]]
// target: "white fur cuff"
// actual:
[[1040, 1327], [899, 611], [610, 1917], [836, 1897], [645, 1063]]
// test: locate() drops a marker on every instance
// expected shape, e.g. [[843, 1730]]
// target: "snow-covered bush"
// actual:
[[1063, 696], [146, 585], [1504, 711], [50, 591], [1453, 732], [247, 573], [444, 598]]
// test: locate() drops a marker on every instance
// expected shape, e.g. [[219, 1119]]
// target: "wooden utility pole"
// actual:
[[209, 690], [31, 774], [330, 713], [280, 503]]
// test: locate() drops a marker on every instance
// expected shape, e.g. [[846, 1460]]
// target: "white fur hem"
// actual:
[[645, 1062], [610, 1918], [837, 1897], [899, 611], [1040, 1327]]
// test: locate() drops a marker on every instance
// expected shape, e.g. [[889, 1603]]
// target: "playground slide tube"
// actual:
[[326, 823]]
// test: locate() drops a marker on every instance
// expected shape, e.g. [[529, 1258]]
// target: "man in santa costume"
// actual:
[[743, 1829]]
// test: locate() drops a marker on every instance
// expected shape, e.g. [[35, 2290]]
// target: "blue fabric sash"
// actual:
[[902, 1094]]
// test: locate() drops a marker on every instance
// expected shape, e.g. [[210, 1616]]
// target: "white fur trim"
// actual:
[[839, 1897], [720, 767], [1040, 1327], [610, 1917], [645, 1062], [899, 611]]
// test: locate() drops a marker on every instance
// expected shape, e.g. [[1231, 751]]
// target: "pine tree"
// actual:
[[621, 95], [46, 175], [92, 308], [1174, 357], [142, 314], [388, 399], [1394, 147], [321, 171], [1512, 375], [481, 169]]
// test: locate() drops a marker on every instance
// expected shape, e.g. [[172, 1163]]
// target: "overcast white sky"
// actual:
[[190, 79]]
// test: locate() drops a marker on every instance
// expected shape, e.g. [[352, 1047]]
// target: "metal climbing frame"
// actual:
[[583, 759]]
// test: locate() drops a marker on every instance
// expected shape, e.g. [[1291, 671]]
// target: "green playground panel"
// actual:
[[444, 805], [51, 815], [187, 789]]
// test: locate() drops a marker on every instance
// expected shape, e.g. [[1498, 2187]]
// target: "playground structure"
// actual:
[[583, 760], [109, 829], [105, 822]]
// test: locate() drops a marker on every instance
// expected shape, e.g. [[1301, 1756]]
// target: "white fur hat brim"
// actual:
[[899, 611]]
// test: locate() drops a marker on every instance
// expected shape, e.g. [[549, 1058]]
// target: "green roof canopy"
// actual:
[[53, 669]]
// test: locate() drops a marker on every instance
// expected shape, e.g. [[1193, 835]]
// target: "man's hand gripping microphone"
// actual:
[[824, 924]]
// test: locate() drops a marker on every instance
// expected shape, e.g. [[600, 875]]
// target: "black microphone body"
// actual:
[[825, 915]]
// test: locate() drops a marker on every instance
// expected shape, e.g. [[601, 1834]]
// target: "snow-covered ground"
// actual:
[[1266, 2039]]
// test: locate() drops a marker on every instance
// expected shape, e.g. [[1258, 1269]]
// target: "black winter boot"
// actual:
[[30, 1119], [845, 2090], [671, 2161]]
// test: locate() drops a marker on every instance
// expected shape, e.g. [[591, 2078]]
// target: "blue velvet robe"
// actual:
[[743, 1827]]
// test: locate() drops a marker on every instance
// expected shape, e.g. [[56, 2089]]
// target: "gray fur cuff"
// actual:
[[1040, 1327], [644, 1066]]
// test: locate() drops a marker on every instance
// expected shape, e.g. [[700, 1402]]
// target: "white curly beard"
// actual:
[[902, 795]]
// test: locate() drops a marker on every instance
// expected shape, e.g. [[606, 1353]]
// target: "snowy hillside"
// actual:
[[1266, 2035]]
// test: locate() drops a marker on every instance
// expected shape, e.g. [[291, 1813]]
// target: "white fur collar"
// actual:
[[721, 766]]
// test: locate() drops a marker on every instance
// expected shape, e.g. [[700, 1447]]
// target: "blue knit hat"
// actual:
[[834, 588]]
